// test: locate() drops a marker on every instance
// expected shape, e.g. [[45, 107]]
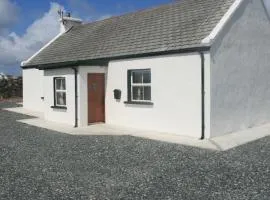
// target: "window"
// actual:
[[60, 92], [139, 86]]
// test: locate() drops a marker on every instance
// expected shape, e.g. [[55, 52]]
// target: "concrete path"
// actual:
[[239, 138], [221, 143], [24, 111]]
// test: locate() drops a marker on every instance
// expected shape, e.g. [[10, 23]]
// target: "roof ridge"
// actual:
[[134, 12]]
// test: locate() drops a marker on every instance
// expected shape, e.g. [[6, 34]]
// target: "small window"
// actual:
[[139, 85], [60, 92]]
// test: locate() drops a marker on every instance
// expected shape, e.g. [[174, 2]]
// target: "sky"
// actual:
[[27, 25]]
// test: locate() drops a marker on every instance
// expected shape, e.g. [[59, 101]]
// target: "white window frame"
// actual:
[[140, 85], [58, 91]]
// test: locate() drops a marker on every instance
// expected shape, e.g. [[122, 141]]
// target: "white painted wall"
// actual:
[[240, 72], [83, 91], [58, 115], [68, 116], [33, 90], [176, 94]]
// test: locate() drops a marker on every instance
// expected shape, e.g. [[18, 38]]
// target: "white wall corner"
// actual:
[[218, 28]]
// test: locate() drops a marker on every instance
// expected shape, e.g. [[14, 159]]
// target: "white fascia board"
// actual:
[[23, 63], [222, 22]]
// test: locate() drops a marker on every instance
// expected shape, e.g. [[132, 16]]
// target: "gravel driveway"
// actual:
[[41, 164]]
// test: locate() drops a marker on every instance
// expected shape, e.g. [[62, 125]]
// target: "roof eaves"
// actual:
[[105, 61]]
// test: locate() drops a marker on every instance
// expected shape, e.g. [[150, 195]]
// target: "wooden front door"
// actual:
[[96, 98]]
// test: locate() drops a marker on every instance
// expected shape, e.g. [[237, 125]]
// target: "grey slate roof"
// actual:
[[165, 28]]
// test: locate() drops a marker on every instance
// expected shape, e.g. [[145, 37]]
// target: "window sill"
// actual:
[[59, 107], [139, 103]]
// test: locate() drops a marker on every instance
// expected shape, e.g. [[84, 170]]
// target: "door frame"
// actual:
[[88, 102]]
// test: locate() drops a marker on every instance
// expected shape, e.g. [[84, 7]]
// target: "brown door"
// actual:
[[96, 98]]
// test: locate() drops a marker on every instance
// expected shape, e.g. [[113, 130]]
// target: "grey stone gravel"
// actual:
[[37, 164]]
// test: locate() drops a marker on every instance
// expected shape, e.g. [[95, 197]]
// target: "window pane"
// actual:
[[137, 77], [147, 93], [137, 93], [63, 84], [147, 76], [60, 83], [61, 98]]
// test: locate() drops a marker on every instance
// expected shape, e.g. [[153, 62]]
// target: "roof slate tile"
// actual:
[[169, 27]]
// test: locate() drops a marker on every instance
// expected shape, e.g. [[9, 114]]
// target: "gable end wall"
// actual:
[[240, 71]]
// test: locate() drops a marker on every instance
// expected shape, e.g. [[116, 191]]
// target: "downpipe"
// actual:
[[202, 95], [76, 95]]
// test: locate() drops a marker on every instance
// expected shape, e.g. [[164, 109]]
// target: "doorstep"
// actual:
[[221, 143]]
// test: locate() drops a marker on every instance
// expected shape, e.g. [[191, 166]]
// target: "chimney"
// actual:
[[67, 22]]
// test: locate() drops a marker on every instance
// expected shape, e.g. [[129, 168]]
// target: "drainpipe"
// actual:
[[202, 94], [76, 95]]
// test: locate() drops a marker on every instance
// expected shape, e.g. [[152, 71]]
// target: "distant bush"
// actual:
[[10, 87]]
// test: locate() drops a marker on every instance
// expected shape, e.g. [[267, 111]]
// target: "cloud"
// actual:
[[15, 48], [267, 4], [104, 17], [81, 8], [86, 11], [8, 13]]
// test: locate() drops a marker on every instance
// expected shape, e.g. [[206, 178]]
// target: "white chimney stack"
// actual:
[[67, 22]]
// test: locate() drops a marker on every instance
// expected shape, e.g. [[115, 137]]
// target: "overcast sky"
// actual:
[[26, 25]]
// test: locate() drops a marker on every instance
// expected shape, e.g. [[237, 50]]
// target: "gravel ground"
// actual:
[[37, 164]]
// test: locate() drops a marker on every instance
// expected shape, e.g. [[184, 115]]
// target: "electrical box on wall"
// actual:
[[117, 94]]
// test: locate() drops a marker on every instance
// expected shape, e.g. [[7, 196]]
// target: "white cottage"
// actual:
[[198, 68]]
